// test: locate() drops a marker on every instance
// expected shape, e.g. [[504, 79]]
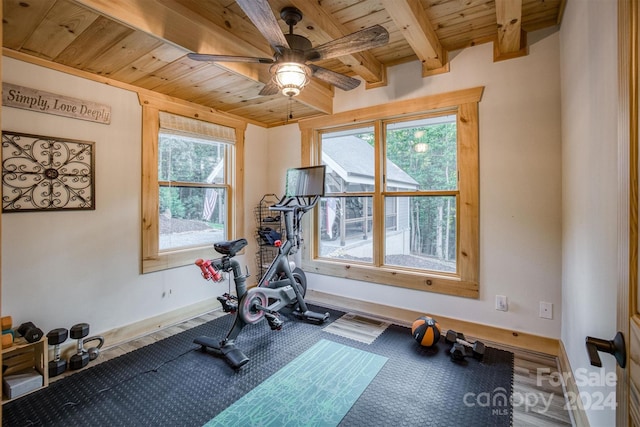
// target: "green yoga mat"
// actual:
[[315, 389]]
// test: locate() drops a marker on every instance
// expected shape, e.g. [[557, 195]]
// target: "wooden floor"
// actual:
[[538, 397]]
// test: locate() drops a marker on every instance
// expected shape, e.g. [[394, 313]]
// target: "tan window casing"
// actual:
[[463, 103], [152, 258]]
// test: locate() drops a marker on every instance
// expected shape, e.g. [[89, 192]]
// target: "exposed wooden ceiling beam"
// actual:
[[163, 22], [412, 20], [510, 36], [173, 23], [364, 64]]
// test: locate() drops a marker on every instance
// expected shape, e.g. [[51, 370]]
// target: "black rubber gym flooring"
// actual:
[[173, 383]]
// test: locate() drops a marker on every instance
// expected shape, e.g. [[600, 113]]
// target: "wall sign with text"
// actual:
[[46, 102]]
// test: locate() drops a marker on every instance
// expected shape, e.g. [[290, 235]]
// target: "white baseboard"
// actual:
[[576, 410]]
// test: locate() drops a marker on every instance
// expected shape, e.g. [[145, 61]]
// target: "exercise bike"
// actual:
[[282, 285]]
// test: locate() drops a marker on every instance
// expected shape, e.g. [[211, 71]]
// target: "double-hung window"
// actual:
[[191, 172], [401, 194]]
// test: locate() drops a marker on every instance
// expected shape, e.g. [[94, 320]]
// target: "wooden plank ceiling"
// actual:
[[144, 43]]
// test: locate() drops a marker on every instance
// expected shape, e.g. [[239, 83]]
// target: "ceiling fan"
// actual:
[[292, 61]]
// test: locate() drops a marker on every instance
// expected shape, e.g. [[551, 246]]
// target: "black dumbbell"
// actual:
[[30, 332], [458, 352], [461, 346], [81, 358], [55, 338]]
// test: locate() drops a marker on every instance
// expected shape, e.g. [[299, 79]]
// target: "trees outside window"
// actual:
[[192, 208], [426, 150]]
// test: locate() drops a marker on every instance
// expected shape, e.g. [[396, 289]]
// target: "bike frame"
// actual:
[[253, 304], [281, 263]]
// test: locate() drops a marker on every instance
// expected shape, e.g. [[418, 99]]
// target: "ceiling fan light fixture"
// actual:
[[291, 77]]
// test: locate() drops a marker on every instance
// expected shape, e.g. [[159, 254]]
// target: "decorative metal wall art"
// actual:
[[42, 173]]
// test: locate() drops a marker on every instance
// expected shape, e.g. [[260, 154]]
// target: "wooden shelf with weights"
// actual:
[[24, 356]]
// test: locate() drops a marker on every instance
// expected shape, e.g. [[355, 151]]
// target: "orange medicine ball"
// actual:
[[426, 331]]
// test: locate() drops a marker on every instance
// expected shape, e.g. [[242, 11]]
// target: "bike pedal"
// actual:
[[275, 323], [277, 327], [227, 306]]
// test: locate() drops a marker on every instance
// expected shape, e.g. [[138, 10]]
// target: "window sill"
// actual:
[[429, 282], [178, 258]]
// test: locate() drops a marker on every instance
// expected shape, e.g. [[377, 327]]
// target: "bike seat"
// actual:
[[230, 247]]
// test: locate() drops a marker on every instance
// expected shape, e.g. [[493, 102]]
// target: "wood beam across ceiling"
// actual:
[[511, 39], [412, 20], [364, 64], [177, 25]]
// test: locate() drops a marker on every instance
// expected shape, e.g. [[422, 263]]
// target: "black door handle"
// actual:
[[615, 347]]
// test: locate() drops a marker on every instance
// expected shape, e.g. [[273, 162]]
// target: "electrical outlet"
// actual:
[[546, 310], [501, 303]]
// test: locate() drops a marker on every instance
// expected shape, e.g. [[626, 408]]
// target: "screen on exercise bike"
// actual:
[[305, 182]]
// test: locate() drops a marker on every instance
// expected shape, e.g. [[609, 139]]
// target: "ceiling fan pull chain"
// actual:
[[289, 109]]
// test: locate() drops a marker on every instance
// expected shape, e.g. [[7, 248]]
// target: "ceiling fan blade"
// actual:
[[338, 80], [260, 13], [355, 42], [227, 58], [271, 88]]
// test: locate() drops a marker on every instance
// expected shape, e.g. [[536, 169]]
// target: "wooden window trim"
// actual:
[[152, 258], [464, 103]]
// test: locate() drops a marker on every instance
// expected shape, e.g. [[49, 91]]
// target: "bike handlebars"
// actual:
[[293, 204]]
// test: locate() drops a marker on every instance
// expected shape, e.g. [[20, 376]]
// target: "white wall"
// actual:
[[520, 184], [61, 268], [284, 152], [589, 227]]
